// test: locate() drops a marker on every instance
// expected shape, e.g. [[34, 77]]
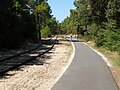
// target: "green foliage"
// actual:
[[22, 20], [82, 13], [15, 23], [98, 10], [113, 41], [113, 13], [92, 30], [53, 25], [100, 39], [98, 20], [66, 26], [46, 32], [79, 19]]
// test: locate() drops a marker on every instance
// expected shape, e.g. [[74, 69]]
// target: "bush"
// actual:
[[93, 30], [46, 32], [96, 33], [100, 39], [113, 41]]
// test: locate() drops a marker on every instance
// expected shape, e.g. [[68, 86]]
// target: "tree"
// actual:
[[14, 20], [82, 14], [98, 10], [53, 25], [113, 13], [22, 20], [41, 11]]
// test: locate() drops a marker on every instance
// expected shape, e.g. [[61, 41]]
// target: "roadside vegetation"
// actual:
[[96, 21], [27, 21]]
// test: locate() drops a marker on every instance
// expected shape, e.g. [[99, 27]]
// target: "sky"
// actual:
[[61, 8]]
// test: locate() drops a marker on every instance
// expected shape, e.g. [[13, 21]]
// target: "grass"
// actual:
[[69, 44], [113, 57], [116, 61]]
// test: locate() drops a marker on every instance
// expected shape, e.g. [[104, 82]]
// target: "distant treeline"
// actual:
[[97, 20], [23, 21]]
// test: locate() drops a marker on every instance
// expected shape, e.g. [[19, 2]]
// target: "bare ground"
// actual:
[[116, 75], [36, 76]]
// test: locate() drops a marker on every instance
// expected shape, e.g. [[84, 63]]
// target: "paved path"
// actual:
[[87, 72]]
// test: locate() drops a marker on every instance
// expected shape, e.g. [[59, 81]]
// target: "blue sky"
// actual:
[[61, 8]]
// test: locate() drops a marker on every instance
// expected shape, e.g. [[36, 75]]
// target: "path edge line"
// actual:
[[66, 67], [100, 54], [108, 64]]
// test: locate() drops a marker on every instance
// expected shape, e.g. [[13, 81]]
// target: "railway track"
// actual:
[[15, 61], [6, 57]]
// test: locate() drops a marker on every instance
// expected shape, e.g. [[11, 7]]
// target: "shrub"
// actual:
[[100, 39], [113, 41], [46, 32]]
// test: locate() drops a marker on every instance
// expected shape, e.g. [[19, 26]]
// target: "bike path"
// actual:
[[87, 72]]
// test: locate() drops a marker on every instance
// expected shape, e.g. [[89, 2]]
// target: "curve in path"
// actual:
[[87, 72]]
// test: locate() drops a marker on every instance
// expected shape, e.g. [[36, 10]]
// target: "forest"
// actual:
[[25, 21], [96, 20]]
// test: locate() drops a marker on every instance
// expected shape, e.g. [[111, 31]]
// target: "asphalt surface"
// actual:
[[87, 72]]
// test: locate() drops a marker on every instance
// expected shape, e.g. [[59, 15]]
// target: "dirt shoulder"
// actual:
[[36, 76]]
